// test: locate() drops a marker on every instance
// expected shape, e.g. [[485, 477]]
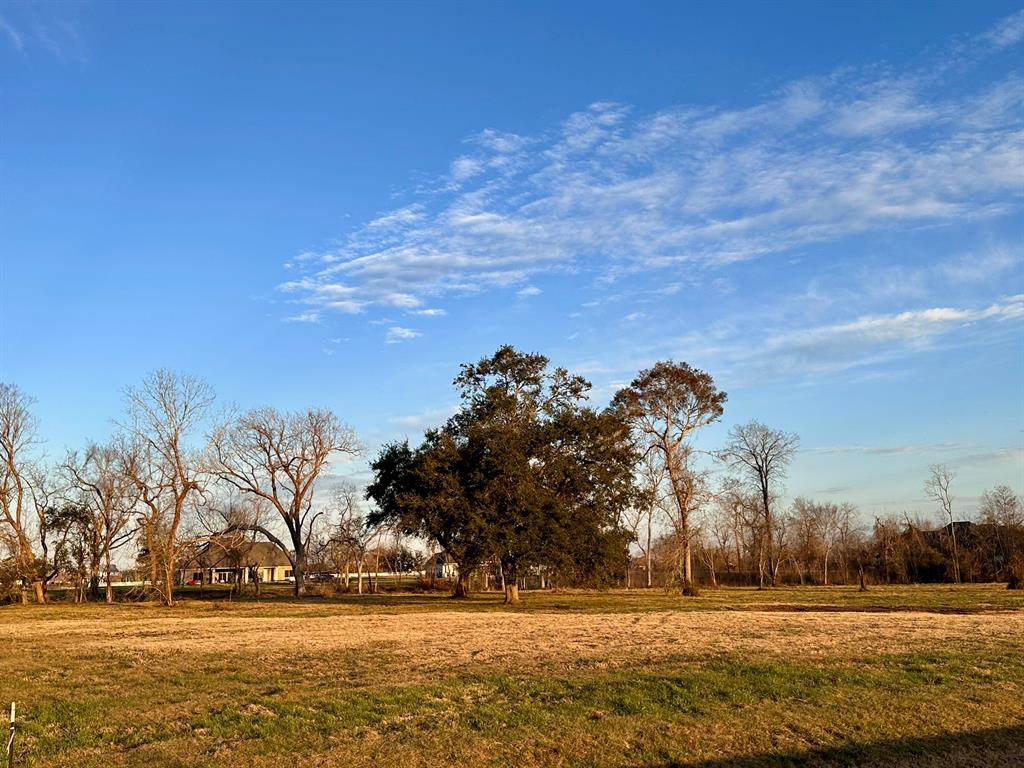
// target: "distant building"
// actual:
[[444, 567], [223, 560]]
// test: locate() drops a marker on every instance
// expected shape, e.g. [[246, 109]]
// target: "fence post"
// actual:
[[10, 741]]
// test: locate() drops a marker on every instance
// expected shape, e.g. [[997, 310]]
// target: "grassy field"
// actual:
[[904, 676]]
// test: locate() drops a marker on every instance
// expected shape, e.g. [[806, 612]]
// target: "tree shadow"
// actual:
[[378, 599], [992, 748]]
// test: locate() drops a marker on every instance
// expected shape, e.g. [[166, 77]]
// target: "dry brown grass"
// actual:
[[736, 681], [427, 642]]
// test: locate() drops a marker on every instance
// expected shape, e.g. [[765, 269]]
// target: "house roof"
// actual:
[[228, 552]]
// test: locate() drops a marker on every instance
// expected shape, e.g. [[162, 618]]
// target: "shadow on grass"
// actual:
[[866, 608], [992, 748], [387, 599]]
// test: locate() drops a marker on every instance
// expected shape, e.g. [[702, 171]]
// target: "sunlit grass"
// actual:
[[133, 700]]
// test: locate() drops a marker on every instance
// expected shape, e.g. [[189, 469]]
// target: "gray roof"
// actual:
[[228, 552]]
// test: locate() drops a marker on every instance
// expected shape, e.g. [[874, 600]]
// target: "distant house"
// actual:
[[444, 566], [223, 560]]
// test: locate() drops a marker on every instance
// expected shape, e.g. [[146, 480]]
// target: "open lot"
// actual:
[[913, 676]]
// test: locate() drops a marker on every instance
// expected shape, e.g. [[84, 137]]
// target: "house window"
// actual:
[[287, 573]]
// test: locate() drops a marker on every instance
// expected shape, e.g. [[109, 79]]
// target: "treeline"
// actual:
[[527, 483], [826, 543]]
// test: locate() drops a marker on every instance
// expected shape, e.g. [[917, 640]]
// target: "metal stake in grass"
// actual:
[[10, 741]]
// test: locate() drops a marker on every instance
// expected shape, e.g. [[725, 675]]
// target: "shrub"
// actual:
[[426, 584], [1016, 573]]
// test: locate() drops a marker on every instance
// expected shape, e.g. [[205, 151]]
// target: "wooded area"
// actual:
[[527, 484]]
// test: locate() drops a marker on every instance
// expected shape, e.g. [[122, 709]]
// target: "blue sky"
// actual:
[[336, 204]]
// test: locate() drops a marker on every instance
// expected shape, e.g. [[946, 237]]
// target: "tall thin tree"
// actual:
[[664, 406], [937, 488]]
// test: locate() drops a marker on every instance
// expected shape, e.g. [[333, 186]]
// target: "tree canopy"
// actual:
[[525, 473]]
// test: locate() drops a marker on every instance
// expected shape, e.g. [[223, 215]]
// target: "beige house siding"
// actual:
[[217, 563]]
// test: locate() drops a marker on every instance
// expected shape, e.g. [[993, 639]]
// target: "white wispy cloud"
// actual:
[[309, 316], [530, 290], [887, 107], [912, 449], [434, 312], [12, 34], [612, 190], [867, 340], [981, 265], [749, 350], [29, 27], [431, 417], [396, 334], [1008, 31], [1013, 457]]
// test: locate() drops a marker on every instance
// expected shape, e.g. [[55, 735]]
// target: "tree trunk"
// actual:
[[956, 555], [760, 567], [461, 583], [300, 579], [772, 566], [376, 569], [511, 579], [169, 582], [151, 549], [688, 587], [684, 525], [647, 555], [739, 552], [40, 594], [110, 587]]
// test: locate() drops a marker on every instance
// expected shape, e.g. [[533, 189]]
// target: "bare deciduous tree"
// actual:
[[45, 488], [640, 517], [278, 457], [735, 506], [1001, 506], [763, 455], [823, 523], [167, 470], [353, 535], [716, 539], [937, 488], [111, 497], [17, 436]]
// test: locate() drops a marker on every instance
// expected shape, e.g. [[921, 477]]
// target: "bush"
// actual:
[[1016, 573], [10, 591], [426, 584]]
